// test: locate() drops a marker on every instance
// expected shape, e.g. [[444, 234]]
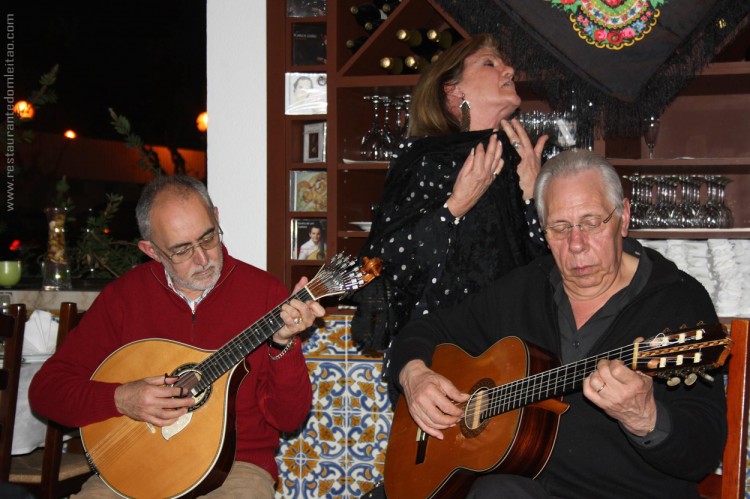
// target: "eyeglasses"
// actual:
[[590, 225], [208, 242]]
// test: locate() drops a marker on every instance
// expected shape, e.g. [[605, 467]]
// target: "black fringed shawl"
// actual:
[[615, 80], [428, 260]]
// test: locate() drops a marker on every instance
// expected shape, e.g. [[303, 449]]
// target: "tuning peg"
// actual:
[[690, 379], [706, 377], [673, 381]]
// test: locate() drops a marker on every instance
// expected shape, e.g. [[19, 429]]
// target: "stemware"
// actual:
[[388, 139], [404, 131], [398, 106], [371, 146], [650, 130]]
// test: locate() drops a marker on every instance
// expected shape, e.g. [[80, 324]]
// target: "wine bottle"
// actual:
[[371, 26], [418, 42], [385, 5], [394, 65], [444, 38], [354, 44], [416, 63], [367, 13]]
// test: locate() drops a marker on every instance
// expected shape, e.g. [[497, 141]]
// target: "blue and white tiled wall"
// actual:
[[340, 452]]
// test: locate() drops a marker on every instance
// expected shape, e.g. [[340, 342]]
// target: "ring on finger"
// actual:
[[297, 320], [516, 144], [601, 387]]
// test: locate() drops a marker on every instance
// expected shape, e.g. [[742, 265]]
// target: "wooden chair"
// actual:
[[731, 483], [48, 472], [12, 326]]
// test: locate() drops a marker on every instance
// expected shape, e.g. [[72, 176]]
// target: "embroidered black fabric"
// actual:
[[430, 261], [555, 72]]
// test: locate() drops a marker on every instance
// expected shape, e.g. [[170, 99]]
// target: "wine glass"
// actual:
[[371, 146], [650, 130], [388, 139], [406, 99]]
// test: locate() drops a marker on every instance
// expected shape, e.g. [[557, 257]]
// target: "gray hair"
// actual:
[[180, 184], [571, 163]]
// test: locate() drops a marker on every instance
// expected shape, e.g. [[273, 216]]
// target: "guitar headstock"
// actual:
[[341, 274], [683, 354]]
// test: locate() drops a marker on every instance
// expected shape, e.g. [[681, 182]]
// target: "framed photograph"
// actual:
[[314, 143], [306, 8], [309, 239], [306, 93], [309, 44], [309, 190]]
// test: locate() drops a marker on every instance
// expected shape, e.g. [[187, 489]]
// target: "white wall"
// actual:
[[236, 66]]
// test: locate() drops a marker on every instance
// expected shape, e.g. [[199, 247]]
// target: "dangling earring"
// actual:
[[465, 114]]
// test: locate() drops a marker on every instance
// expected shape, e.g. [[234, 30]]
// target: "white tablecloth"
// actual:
[[29, 429]]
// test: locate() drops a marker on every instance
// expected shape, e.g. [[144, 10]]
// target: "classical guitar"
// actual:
[[510, 422], [194, 455]]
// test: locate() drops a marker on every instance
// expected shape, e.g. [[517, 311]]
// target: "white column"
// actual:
[[236, 66]]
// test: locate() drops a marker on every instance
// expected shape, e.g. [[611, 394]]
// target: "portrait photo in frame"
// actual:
[[308, 239], [314, 143]]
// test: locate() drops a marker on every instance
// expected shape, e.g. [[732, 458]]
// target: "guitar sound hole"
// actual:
[[189, 379], [474, 416]]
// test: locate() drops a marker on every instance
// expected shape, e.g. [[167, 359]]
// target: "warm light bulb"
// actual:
[[70, 134], [24, 109], [202, 121]]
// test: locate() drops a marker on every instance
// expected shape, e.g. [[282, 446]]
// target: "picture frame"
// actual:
[[309, 44], [314, 142], [308, 190], [306, 8], [305, 93], [308, 236]]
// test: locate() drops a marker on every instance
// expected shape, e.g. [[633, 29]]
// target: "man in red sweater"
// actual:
[[195, 293]]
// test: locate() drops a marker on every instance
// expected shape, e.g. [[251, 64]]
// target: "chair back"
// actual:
[[12, 327], [51, 485], [731, 483], [48, 472]]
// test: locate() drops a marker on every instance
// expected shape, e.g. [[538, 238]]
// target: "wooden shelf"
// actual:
[[683, 165], [363, 165], [741, 233]]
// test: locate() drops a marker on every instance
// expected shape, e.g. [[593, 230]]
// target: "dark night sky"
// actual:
[[144, 58]]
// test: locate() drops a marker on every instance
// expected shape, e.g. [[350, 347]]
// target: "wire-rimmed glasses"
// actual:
[[589, 225], [182, 255]]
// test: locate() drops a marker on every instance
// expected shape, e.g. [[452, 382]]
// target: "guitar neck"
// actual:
[[548, 384], [248, 340]]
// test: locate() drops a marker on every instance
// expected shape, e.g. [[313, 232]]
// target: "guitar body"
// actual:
[[516, 442], [135, 459]]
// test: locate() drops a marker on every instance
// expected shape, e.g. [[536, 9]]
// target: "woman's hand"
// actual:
[[531, 155], [479, 170]]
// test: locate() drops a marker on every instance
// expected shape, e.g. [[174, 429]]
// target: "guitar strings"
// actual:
[[505, 397]]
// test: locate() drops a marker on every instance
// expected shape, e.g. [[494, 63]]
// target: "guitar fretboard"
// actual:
[[548, 384], [248, 340]]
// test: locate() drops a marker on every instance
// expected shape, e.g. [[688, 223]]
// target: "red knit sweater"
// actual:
[[275, 396]]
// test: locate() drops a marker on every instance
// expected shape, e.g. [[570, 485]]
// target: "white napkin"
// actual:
[[40, 335]]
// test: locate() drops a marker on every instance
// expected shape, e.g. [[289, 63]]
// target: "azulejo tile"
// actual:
[[366, 392], [369, 436], [329, 380], [328, 479], [332, 339], [325, 436]]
